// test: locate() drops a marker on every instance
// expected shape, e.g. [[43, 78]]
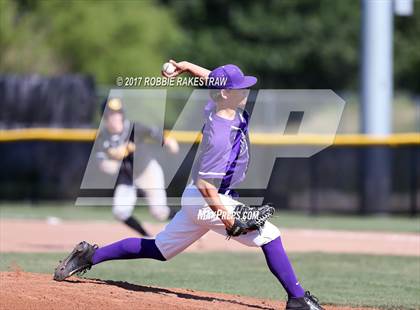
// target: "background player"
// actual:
[[116, 142], [221, 164]]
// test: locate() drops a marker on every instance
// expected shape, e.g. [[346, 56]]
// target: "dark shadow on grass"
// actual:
[[159, 290]]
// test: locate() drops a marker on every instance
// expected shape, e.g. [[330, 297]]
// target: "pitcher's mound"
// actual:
[[23, 290]]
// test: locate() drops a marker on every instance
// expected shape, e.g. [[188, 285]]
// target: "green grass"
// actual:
[[65, 211], [347, 222], [282, 219], [343, 279]]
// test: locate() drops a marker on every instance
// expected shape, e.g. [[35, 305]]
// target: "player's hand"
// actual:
[[122, 151], [117, 153], [180, 67], [131, 147], [228, 222], [172, 145]]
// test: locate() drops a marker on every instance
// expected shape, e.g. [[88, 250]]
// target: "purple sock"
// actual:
[[128, 249], [280, 266]]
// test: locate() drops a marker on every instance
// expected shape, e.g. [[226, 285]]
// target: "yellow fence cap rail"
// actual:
[[48, 134], [267, 139]]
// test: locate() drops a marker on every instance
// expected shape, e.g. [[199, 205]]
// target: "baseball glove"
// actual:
[[249, 218]]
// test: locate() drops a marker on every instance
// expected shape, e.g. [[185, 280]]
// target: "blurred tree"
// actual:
[[286, 43], [300, 44], [407, 50], [22, 49], [103, 38], [290, 43]]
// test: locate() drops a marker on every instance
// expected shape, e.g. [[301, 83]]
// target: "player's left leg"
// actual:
[[279, 264], [277, 260], [152, 182]]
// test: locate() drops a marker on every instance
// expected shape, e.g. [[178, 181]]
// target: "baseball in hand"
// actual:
[[168, 68]]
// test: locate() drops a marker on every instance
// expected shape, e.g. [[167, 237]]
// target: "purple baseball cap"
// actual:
[[229, 77]]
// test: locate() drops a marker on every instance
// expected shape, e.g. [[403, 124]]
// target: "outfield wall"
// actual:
[[42, 163], [46, 137]]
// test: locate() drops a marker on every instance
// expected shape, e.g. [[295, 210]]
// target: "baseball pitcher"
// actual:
[[221, 163]]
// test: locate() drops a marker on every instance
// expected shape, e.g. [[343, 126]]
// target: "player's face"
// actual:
[[237, 97], [115, 123]]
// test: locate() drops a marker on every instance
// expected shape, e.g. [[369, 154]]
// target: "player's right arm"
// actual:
[[185, 66], [211, 195]]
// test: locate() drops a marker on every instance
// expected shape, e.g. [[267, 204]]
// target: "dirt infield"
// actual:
[[22, 290], [53, 236]]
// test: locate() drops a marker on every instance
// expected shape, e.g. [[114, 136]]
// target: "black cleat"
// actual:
[[78, 261], [307, 302]]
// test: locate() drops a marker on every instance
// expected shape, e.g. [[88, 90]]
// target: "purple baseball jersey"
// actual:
[[224, 150]]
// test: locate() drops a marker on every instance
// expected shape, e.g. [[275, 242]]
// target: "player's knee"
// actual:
[[161, 213], [150, 250], [122, 212], [124, 201], [269, 233], [162, 259]]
